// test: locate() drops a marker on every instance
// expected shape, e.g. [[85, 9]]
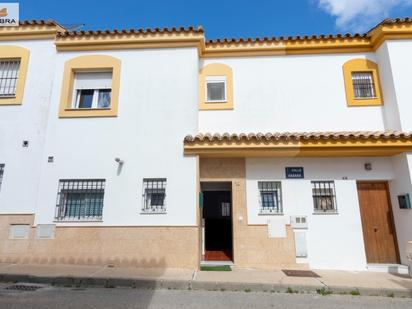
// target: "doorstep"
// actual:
[[216, 263], [389, 268]]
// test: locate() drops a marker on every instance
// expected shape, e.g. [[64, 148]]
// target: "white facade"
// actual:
[[277, 93], [334, 241], [147, 134], [159, 106], [26, 122]]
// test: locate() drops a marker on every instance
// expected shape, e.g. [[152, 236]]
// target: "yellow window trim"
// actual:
[[89, 63], [16, 52], [361, 65], [215, 69]]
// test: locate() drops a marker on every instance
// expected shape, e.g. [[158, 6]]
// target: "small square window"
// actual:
[[216, 89], [363, 85], [92, 90], [270, 197], [324, 196], [154, 195]]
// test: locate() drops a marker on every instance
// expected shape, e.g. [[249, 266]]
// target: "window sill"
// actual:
[[369, 98], [325, 213], [376, 101], [77, 221], [153, 212], [88, 109], [214, 102], [10, 100], [87, 112], [271, 214]]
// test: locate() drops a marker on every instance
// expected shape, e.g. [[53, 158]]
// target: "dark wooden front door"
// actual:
[[377, 222]]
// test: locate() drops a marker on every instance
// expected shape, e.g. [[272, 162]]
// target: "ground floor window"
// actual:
[[324, 196], [270, 196], [154, 195], [79, 200]]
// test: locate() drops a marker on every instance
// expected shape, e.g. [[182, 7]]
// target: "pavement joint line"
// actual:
[[7, 266], [98, 271], [323, 283], [194, 275]]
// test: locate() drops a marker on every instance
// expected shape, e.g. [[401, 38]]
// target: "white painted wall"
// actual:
[[399, 53], [290, 93], [157, 108], [26, 122], [335, 241], [402, 165], [390, 109]]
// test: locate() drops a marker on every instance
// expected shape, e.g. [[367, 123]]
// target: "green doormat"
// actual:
[[216, 268]]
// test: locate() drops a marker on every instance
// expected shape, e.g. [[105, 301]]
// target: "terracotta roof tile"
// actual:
[[190, 29], [38, 22], [287, 38], [298, 136]]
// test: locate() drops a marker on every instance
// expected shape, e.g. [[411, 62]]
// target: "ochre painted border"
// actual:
[[16, 52], [89, 63], [361, 65], [216, 69]]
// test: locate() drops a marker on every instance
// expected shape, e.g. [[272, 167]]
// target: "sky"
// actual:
[[222, 18]]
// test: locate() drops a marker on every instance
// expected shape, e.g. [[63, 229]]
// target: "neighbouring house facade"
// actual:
[[157, 148]]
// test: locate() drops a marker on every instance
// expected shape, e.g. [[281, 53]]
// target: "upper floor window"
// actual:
[[1, 173], [13, 70], [80, 200], [270, 197], [90, 87], [92, 90], [9, 73], [324, 196], [154, 195], [216, 89], [363, 85]]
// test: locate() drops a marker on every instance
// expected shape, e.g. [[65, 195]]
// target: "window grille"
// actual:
[[324, 196], [154, 195], [9, 74], [363, 85], [270, 196], [1, 173], [80, 200]]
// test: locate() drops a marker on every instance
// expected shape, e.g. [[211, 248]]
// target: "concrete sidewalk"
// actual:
[[363, 283]]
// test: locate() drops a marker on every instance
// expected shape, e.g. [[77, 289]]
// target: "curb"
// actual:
[[70, 281]]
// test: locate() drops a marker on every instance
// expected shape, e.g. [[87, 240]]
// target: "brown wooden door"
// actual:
[[377, 223]]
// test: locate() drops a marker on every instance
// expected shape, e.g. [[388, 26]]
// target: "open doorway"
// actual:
[[217, 221]]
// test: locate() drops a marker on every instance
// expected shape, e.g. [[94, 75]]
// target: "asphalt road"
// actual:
[[124, 298]]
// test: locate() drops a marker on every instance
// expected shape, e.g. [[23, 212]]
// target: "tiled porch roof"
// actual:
[[300, 136]]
